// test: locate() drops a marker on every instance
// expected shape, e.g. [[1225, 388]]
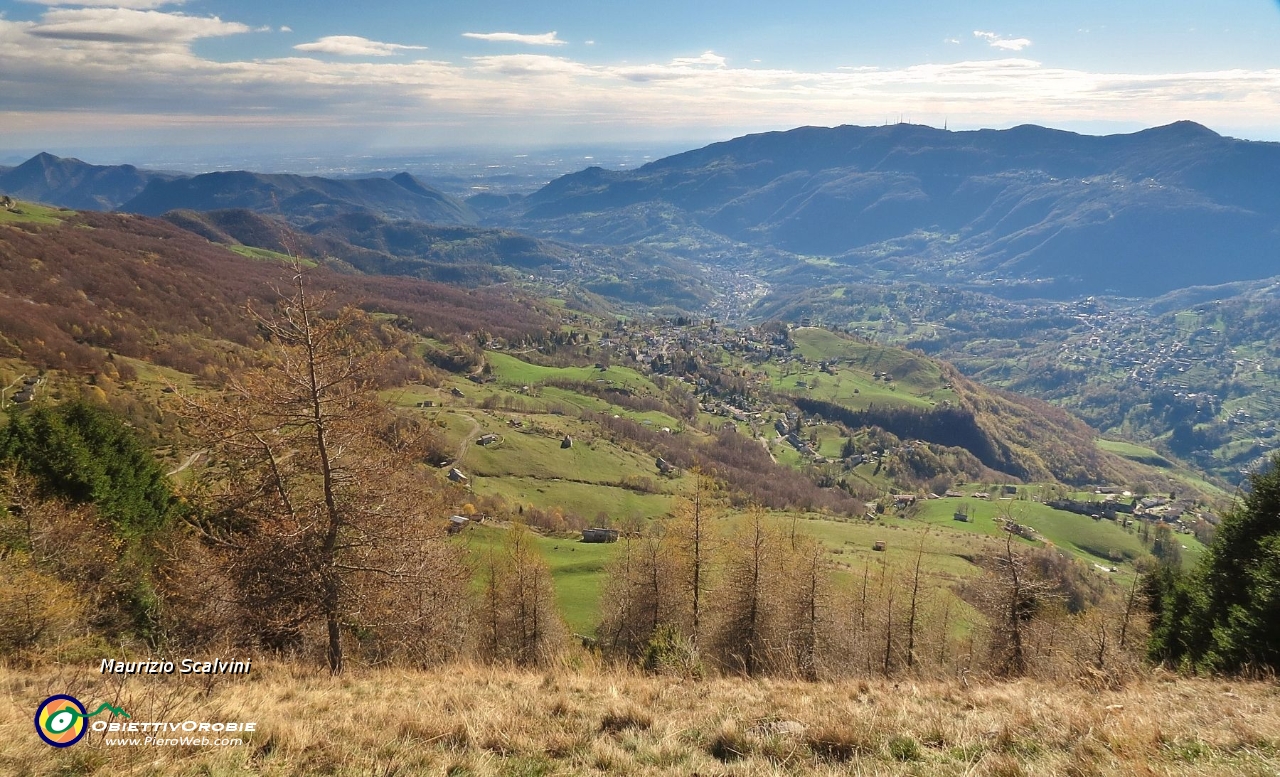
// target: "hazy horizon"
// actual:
[[397, 77], [525, 165]]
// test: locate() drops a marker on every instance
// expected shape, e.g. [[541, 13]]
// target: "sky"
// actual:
[[381, 77]]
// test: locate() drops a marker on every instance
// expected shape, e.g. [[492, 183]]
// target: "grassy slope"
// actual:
[[1144, 455], [480, 722], [577, 568], [30, 213], [917, 382], [527, 466], [271, 256], [1133, 452]]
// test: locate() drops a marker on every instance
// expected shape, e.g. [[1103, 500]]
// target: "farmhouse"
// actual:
[[597, 534]]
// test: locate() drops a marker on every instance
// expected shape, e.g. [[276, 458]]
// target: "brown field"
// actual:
[[485, 721]]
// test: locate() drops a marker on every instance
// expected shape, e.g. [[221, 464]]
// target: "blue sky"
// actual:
[[402, 75]]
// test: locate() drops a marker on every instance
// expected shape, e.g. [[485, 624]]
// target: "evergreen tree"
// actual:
[[1225, 615], [85, 453]]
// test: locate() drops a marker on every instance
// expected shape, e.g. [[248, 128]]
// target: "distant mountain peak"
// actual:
[[45, 159], [71, 183], [408, 182], [1185, 128]]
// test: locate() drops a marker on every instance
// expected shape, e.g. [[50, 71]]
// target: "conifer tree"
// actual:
[[747, 599], [694, 536], [518, 619], [1225, 615], [316, 498], [643, 593], [810, 633]]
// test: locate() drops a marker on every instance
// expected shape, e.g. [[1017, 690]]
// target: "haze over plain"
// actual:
[[330, 78]]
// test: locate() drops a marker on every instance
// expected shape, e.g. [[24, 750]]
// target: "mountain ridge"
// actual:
[[70, 183], [457, 253], [304, 199], [1145, 209]]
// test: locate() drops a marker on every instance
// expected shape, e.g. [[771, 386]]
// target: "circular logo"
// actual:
[[60, 720]]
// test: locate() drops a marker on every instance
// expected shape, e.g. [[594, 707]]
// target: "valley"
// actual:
[[527, 390], [1192, 372], [592, 405]]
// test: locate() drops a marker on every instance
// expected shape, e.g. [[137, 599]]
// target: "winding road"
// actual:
[[465, 445], [190, 460]]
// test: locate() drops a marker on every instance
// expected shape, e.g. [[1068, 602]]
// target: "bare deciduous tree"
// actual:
[[643, 592], [694, 535], [748, 599], [317, 499], [915, 600], [518, 619], [1011, 595], [810, 635]]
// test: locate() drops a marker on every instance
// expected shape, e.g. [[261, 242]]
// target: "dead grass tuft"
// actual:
[[840, 742], [1003, 766], [617, 720], [729, 744]]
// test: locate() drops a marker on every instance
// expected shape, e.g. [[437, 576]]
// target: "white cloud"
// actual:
[[708, 58], [123, 25], [951, 40], [122, 72], [998, 42], [286, 28], [139, 5], [354, 46], [529, 65], [545, 39]]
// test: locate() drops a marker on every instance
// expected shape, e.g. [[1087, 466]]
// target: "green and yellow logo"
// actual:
[[61, 720]]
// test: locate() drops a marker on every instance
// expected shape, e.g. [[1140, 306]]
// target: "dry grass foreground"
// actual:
[[482, 721]]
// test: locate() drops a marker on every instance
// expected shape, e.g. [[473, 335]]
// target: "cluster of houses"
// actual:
[[26, 390], [657, 344], [1110, 337]]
